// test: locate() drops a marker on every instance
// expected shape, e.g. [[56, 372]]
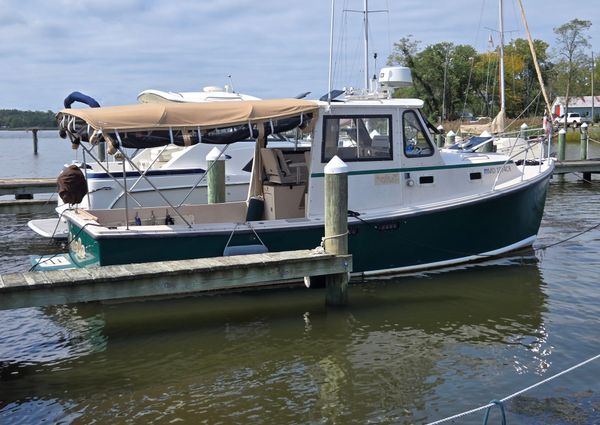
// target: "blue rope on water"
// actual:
[[487, 412]]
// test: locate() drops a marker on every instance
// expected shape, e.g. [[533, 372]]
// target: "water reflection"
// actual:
[[281, 356]]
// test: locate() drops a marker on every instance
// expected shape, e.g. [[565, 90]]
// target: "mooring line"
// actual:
[[495, 402]]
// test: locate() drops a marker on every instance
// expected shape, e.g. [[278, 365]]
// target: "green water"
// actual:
[[408, 349]]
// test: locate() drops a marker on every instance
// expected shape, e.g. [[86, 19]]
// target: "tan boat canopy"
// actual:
[[156, 124]]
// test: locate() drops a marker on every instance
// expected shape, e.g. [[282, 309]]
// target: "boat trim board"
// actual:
[[411, 169], [483, 256]]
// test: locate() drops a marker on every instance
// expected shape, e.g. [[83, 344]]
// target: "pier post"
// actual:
[[488, 147], [440, 136], [215, 165], [34, 131], [583, 150], [562, 144], [450, 138], [336, 227], [523, 131], [583, 142]]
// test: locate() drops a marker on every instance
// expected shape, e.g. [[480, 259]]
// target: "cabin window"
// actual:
[[357, 138], [416, 141]]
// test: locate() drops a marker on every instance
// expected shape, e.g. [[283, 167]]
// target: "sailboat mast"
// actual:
[[366, 21], [501, 28], [330, 82]]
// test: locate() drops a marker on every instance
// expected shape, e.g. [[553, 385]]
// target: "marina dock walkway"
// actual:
[[166, 278], [25, 188], [577, 166]]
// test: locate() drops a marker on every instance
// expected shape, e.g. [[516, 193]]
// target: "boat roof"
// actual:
[[376, 101], [207, 95], [189, 115]]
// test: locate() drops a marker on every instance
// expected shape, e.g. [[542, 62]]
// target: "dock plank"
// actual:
[[164, 279], [577, 166], [19, 186]]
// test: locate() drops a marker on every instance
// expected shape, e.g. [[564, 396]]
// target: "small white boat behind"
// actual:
[[49, 227]]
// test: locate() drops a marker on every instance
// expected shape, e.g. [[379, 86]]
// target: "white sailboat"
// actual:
[[519, 145]]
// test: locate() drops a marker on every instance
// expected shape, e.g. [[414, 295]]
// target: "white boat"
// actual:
[[414, 206], [522, 145], [177, 170], [411, 205], [208, 94]]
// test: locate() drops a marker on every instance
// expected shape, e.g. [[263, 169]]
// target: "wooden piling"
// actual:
[[440, 137], [450, 138], [34, 131], [336, 227], [583, 142], [562, 144], [215, 163]]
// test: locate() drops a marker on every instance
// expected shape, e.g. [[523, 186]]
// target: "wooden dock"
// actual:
[[26, 188], [585, 167], [166, 278], [23, 190]]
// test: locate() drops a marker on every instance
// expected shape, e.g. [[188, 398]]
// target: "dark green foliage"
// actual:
[[456, 80], [13, 119]]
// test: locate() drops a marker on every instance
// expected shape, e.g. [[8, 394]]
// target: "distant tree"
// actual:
[[13, 118], [572, 39], [523, 86], [441, 74]]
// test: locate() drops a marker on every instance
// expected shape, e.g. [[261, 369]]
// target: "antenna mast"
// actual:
[[331, 53], [502, 85], [366, 19]]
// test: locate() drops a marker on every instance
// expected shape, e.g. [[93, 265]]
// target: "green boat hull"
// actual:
[[419, 240]]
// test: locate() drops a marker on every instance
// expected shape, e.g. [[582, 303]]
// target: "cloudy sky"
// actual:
[[113, 49]]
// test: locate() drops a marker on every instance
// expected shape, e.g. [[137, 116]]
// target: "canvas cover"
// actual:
[[187, 115], [71, 185]]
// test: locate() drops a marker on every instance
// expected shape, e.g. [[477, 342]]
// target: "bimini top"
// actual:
[[157, 124], [187, 115]]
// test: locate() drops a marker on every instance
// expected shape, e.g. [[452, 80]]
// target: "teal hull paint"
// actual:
[[405, 241]]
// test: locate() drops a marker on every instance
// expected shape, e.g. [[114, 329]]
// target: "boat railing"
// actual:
[[89, 152]]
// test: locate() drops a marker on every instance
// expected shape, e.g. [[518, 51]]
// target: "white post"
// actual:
[[450, 138]]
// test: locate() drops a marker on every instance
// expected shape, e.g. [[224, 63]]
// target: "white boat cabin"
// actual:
[[392, 160], [393, 166]]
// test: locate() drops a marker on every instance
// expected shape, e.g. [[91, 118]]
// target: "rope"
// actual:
[[325, 238], [499, 402], [525, 110], [251, 228], [487, 412], [569, 238], [592, 140]]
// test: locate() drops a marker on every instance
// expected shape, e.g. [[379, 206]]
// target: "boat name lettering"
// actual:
[[387, 226], [496, 170], [388, 178]]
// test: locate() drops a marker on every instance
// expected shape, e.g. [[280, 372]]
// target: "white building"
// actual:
[[581, 104]]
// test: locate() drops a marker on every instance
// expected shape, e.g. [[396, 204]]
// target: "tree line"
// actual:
[[456, 81], [13, 118]]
